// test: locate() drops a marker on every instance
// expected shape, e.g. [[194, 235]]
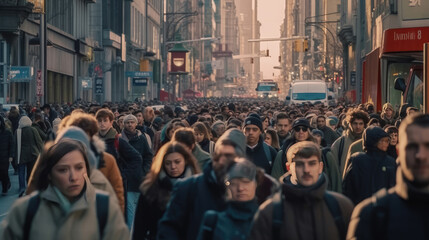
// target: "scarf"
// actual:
[[127, 135]]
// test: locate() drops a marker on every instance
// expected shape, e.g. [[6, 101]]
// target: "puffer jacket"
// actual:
[[305, 213], [51, 222], [370, 171]]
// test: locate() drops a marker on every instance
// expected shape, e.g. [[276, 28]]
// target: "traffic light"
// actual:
[[305, 45]]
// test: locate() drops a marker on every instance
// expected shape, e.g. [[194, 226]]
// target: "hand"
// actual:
[[10, 159]]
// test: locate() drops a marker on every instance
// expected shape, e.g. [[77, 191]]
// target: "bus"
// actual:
[[267, 88], [305, 91]]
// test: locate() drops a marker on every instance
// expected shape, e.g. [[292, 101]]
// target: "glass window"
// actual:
[[415, 91], [308, 96], [394, 71]]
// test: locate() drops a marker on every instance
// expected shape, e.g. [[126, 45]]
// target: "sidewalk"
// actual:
[[7, 201]]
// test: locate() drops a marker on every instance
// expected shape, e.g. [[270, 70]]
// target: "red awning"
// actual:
[[165, 96]]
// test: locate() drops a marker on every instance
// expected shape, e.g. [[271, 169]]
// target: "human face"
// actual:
[[223, 157], [199, 136], [242, 189], [321, 122], [174, 164], [414, 154], [318, 138], [130, 125], [149, 114], [388, 113], [383, 144], [358, 126], [393, 138], [306, 170], [140, 118], [252, 133], [265, 124], [268, 140], [301, 133], [121, 123], [104, 124], [283, 127], [68, 174]]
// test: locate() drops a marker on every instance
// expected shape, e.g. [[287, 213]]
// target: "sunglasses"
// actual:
[[299, 128]]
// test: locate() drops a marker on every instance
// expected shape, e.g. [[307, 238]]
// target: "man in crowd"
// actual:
[[402, 211], [329, 135], [192, 197], [257, 151], [303, 209], [357, 121], [283, 126]]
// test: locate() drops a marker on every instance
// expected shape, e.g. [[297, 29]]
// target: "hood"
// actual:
[[24, 121], [237, 137], [371, 136], [78, 134]]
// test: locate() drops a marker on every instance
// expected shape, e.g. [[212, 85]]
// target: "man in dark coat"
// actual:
[[257, 151], [402, 211], [301, 210], [6, 155], [192, 197], [50, 112], [372, 170], [329, 135]]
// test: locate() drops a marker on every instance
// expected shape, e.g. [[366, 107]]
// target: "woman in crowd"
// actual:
[[202, 137], [388, 115], [272, 139], [265, 122], [172, 162], [393, 141], [235, 221], [66, 205]]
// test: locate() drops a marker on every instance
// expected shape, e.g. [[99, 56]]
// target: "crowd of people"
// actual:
[[216, 169]]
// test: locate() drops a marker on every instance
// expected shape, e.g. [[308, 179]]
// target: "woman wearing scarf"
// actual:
[[172, 162], [28, 144]]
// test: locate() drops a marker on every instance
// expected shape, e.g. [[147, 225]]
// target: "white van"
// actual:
[[308, 91]]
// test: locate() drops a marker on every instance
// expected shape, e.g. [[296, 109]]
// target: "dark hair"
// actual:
[[282, 115], [391, 129], [104, 113], [201, 127], [274, 138], [373, 120], [137, 111], [357, 114], [51, 156], [185, 136], [305, 149], [85, 121]]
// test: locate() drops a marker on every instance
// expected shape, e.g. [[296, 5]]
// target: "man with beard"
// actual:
[[402, 211], [192, 197], [303, 209], [357, 121], [283, 127], [257, 151], [329, 135]]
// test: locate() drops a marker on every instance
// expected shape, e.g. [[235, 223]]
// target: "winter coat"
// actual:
[[201, 156], [258, 156], [355, 147], [112, 173], [39, 129], [370, 171], [128, 159], [190, 199], [6, 148], [330, 168], [31, 144], [207, 145], [329, 135], [51, 222], [400, 213], [305, 213], [139, 142], [233, 223], [152, 204], [349, 138]]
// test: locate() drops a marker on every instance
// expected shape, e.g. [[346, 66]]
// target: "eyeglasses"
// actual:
[[299, 128]]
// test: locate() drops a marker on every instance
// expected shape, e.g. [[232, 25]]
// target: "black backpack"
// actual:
[[102, 204], [331, 202]]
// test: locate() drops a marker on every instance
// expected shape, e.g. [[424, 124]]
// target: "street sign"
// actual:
[[140, 81], [221, 54], [86, 82], [99, 86], [39, 88], [20, 73], [138, 74]]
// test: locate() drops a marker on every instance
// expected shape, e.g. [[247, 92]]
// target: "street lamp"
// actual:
[[177, 64]]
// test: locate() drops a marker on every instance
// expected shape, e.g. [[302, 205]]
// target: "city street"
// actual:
[[7, 201]]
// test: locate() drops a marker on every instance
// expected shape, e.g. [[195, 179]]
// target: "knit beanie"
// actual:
[[237, 137], [253, 121], [242, 168], [130, 117]]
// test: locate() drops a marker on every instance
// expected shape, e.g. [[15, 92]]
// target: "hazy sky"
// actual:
[[270, 14]]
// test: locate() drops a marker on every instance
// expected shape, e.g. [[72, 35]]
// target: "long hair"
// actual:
[[274, 138], [158, 162], [201, 127], [51, 156]]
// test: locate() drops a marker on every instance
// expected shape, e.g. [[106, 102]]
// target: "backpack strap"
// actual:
[[102, 204], [340, 150], [277, 214], [209, 224], [335, 210], [33, 205], [267, 153]]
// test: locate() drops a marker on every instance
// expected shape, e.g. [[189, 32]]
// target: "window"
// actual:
[[394, 71]]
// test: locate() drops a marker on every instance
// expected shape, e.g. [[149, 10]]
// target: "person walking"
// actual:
[[6, 155]]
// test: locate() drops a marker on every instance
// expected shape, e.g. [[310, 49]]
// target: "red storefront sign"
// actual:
[[405, 39]]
